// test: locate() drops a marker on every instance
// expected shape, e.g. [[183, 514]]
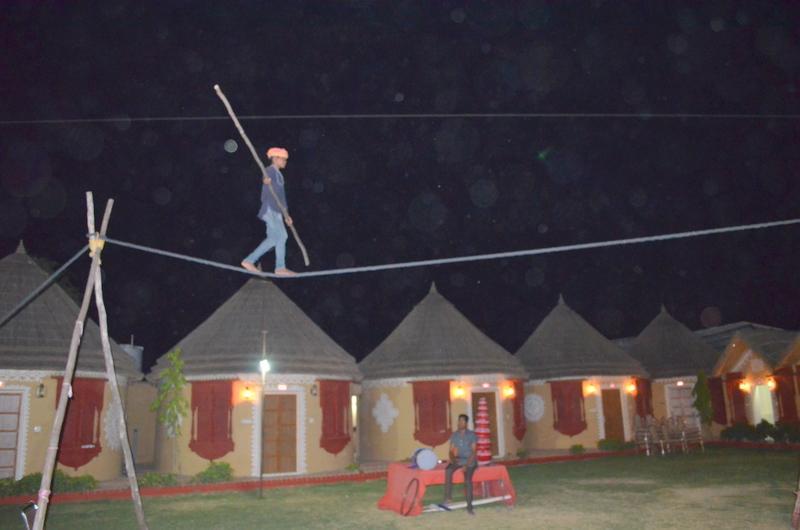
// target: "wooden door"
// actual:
[[490, 404], [10, 405], [612, 412], [279, 433]]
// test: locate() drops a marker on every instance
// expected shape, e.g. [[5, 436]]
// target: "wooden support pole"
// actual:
[[116, 399], [43, 498]]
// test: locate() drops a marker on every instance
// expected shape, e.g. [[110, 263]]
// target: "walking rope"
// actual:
[[460, 259]]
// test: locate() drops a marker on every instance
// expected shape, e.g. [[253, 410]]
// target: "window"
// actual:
[[717, 392], [569, 416], [785, 392], [432, 412], [211, 419], [80, 435], [334, 399], [736, 396], [644, 398], [680, 403]]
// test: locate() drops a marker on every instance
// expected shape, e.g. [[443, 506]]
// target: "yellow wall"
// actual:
[[398, 443], [139, 418], [541, 434], [245, 425], [41, 413]]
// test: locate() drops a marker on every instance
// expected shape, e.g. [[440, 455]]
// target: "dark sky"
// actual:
[[387, 190]]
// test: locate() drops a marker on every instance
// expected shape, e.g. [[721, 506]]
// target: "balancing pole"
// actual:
[[43, 498], [116, 400], [232, 114]]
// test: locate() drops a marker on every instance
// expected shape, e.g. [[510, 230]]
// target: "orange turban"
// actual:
[[277, 151]]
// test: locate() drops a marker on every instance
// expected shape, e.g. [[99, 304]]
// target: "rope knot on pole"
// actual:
[[96, 244]]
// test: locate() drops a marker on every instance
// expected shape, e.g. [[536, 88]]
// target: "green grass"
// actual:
[[719, 489]]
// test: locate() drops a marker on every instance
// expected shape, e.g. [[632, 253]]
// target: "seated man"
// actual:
[[463, 445]]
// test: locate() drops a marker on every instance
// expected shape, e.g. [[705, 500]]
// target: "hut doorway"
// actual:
[[279, 434], [612, 414], [491, 404], [10, 408], [762, 405]]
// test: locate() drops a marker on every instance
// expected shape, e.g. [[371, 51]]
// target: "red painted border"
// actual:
[[290, 482], [738, 444]]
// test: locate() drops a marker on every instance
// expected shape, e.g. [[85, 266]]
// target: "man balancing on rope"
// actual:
[[463, 449], [274, 214]]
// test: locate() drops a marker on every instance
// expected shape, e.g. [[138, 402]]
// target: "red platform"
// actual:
[[405, 486]]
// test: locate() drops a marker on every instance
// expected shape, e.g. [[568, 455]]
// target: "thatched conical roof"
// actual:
[[565, 345], [435, 339], [230, 340], [667, 348], [38, 337]]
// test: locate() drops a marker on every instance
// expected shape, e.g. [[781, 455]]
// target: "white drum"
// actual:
[[424, 459]]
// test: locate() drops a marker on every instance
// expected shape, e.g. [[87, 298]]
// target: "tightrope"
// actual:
[[460, 259]]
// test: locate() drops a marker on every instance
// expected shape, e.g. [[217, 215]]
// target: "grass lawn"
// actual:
[[723, 488]]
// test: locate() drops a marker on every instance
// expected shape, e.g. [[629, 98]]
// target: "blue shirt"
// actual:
[[463, 442], [267, 200]]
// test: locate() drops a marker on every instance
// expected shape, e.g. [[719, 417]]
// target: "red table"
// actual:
[[405, 486]]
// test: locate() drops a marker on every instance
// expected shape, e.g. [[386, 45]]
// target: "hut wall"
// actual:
[[141, 421], [541, 434], [37, 422]]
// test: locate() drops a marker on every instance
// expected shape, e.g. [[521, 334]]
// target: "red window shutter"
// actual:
[[334, 400], [212, 412], [644, 397], [717, 392], [432, 412], [785, 390], [519, 410], [568, 414], [80, 436], [736, 396]]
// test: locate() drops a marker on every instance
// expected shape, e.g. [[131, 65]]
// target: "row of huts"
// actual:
[[321, 411]]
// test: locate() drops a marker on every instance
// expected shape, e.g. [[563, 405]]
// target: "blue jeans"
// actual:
[[276, 237]]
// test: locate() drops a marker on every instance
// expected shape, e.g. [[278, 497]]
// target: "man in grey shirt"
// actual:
[[463, 446]]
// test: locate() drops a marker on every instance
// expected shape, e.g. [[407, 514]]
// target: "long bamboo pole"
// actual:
[[43, 498], [116, 400], [253, 152]]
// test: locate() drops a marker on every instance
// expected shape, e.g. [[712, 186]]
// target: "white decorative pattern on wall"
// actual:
[[534, 408], [385, 412]]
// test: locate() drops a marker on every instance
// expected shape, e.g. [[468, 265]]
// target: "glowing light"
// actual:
[[247, 394], [613, 385], [508, 391], [282, 387], [485, 385], [771, 384], [630, 388], [590, 389], [459, 392], [679, 383], [745, 386]]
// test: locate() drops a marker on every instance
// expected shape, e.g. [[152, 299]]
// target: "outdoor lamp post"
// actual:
[[264, 368]]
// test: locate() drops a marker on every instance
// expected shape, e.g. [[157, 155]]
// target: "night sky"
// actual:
[[388, 190]]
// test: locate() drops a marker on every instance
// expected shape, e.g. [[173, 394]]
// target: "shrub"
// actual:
[[353, 467], [157, 480], [765, 429], [29, 484], [785, 432], [611, 445], [215, 472], [741, 432], [577, 449], [522, 454]]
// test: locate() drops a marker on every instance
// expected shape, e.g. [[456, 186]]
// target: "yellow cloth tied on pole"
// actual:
[[95, 245]]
